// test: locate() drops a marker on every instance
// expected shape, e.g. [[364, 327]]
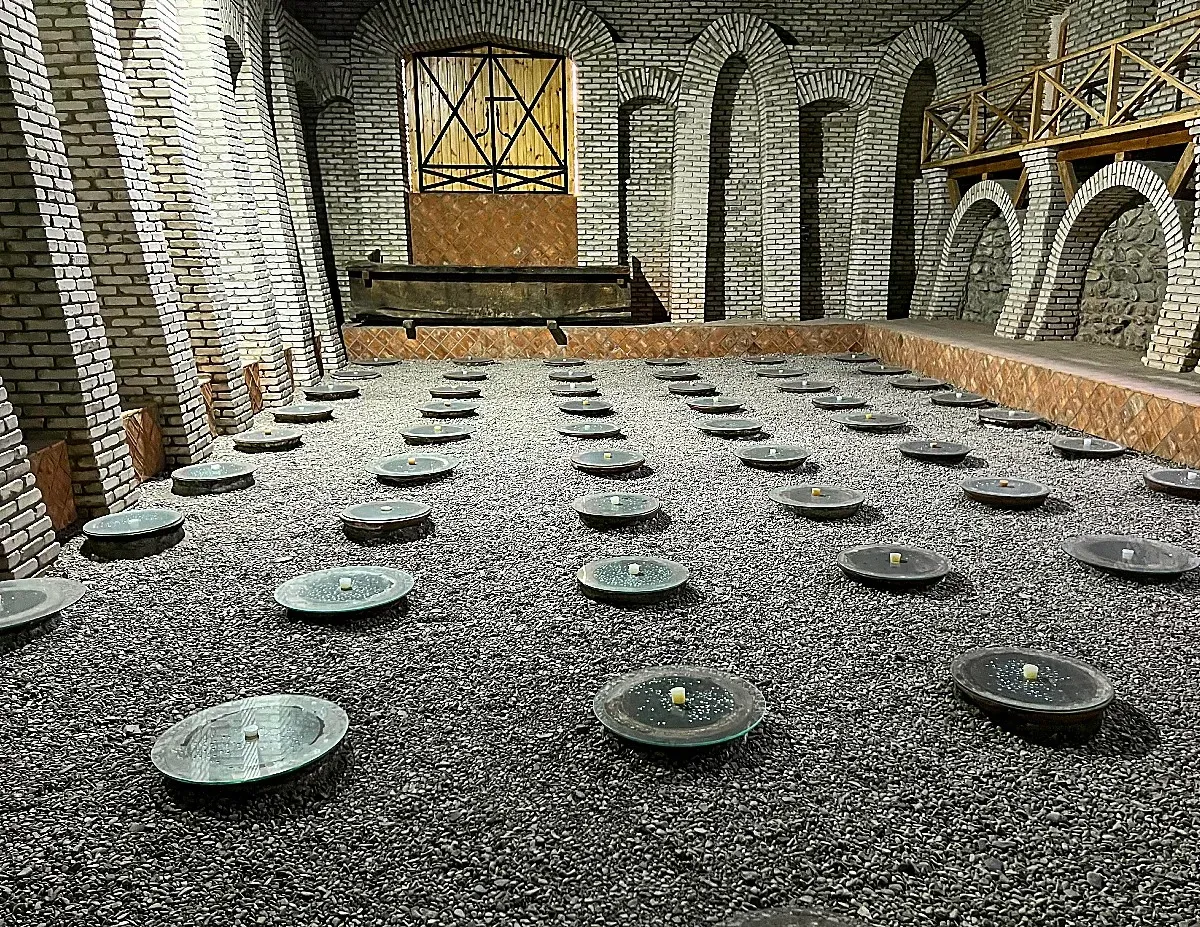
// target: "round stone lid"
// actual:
[[320, 391], [275, 436], [213, 472], [355, 373], [882, 370], [249, 740], [571, 376], [781, 373], [839, 403], [667, 362], [855, 357], [589, 429], [434, 433], [27, 601], [465, 376], [791, 917], [473, 361], [773, 456], [586, 407], [679, 706], [1086, 446], [608, 459], [1182, 483], [631, 579], [303, 412], [1129, 555], [871, 421], [765, 360], [692, 388], [671, 374], [390, 513], [380, 362], [455, 392], [819, 501], [958, 398], [805, 385], [918, 383], [893, 565], [412, 468], [563, 362], [448, 408], [1015, 678], [1005, 491], [344, 590], [616, 506], [715, 404], [574, 390], [1009, 418], [730, 427], [133, 523], [935, 450]]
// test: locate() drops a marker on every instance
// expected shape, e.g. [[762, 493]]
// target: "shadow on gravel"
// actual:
[[747, 751], [866, 515], [355, 623], [954, 585], [639, 474], [418, 532], [14, 640], [971, 462], [659, 521], [1126, 732], [1050, 508]]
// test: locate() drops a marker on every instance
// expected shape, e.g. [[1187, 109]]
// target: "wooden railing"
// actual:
[[1138, 80]]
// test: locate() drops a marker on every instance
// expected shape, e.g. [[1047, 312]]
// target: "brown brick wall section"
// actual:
[[493, 230]]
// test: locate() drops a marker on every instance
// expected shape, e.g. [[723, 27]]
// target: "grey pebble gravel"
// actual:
[[476, 788]]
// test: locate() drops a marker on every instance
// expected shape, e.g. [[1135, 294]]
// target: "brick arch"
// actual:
[[397, 28], [1103, 197], [833, 84], [982, 203], [769, 66], [875, 149], [648, 84]]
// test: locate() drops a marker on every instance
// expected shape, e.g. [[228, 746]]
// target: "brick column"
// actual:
[[1175, 344], [1047, 203], [121, 225], [933, 222], [874, 172], [382, 160], [209, 63], [337, 158], [26, 536], [53, 350], [148, 33]]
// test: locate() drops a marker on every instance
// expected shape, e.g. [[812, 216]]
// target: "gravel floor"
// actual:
[[476, 788]]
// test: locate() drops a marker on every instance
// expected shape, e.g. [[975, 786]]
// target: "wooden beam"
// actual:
[[1136, 141], [1070, 183], [1021, 190], [1183, 169], [953, 191]]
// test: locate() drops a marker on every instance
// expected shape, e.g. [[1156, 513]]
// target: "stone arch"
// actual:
[[979, 206], [875, 154], [1104, 196], [849, 87], [397, 28], [648, 84], [768, 65]]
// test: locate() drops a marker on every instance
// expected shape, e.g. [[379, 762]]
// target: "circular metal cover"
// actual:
[[1009, 418], [832, 502], [250, 740], [773, 456], [715, 404], [574, 390], [839, 403], [216, 477], [667, 362], [607, 460], [465, 376], [344, 590], [589, 429], [631, 580], [1086, 447], [386, 515], [1127, 555], [781, 373], [882, 370], [805, 385], [455, 392], [855, 357], [1062, 690], [958, 398], [472, 361], [563, 362], [131, 524], [692, 388], [730, 427], [431, 433], [586, 407], [408, 469], [605, 509], [301, 413], [27, 601], [790, 917], [328, 392], [918, 384], [1005, 492], [448, 408], [672, 374], [571, 376], [269, 439], [1182, 483], [765, 360], [380, 362], [355, 373], [718, 707], [877, 565], [934, 451], [872, 421]]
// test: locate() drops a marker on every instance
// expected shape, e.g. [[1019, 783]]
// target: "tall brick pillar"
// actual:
[[121, 225], [933, 222], [26, 536], [54, 355], [148, 33]]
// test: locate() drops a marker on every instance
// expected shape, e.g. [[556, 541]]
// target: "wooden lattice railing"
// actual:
[[1139, 80]]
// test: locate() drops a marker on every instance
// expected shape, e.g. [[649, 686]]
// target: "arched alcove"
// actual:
[[989, 274], [903, 266], [644, 235]]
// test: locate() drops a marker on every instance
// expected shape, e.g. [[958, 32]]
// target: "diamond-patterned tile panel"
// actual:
[[252, 374], [51, 468], [144, 437], [493, 230]]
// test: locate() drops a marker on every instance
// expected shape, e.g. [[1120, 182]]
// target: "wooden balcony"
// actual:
[[1136, 85]]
